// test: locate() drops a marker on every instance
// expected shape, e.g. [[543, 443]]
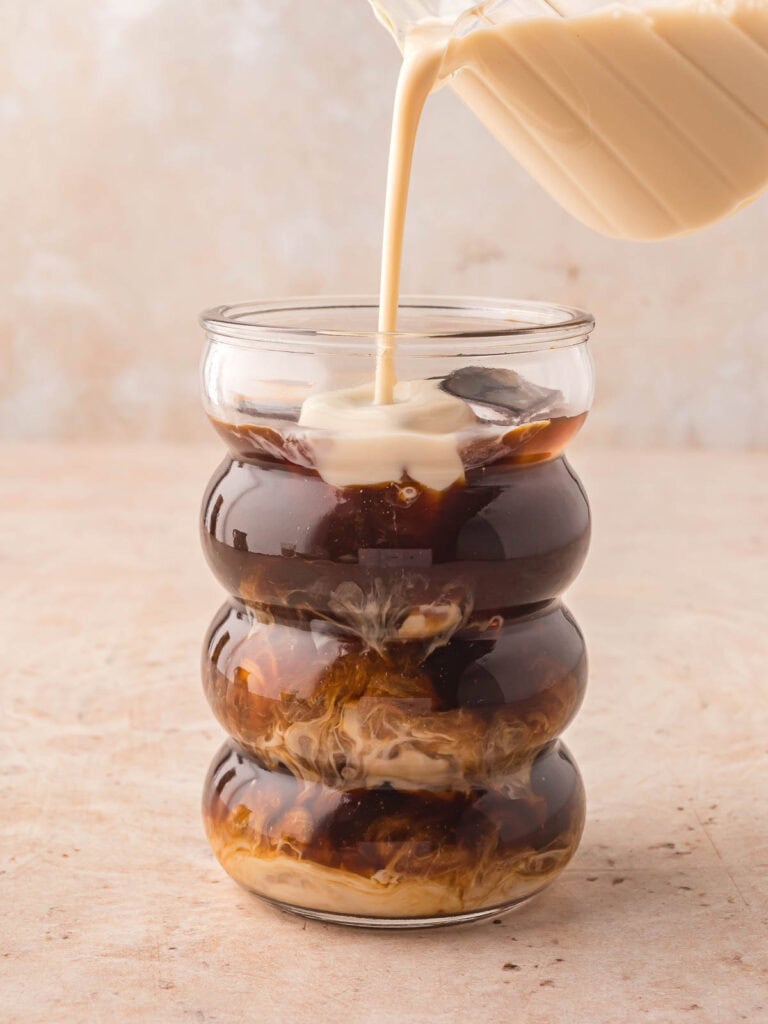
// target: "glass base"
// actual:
[[392, 923]]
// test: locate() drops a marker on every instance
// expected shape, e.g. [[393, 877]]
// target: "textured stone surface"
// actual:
[[111, 905], [162, 155]]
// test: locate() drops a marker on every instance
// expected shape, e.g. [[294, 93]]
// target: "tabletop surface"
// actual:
[[112, 906]]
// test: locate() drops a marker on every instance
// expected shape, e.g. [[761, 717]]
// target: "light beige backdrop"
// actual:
[[159, 156]]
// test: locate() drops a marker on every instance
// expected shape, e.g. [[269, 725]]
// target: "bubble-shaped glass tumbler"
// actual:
[[394, 664]]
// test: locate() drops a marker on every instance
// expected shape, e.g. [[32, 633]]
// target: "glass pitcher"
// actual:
[[643, 122]]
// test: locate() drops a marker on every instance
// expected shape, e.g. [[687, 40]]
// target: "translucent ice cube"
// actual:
[[503, 396]]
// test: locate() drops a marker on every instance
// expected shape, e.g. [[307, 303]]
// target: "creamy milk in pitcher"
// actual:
[[643, 122]]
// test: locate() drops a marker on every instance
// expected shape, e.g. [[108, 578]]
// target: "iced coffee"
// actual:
[[394, 663]]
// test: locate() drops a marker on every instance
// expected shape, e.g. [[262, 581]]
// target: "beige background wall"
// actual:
[[159, 156]]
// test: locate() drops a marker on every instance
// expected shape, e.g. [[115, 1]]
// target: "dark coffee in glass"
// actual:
[[394, 663]]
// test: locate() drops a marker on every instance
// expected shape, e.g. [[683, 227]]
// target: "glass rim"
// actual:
[[524, 325]]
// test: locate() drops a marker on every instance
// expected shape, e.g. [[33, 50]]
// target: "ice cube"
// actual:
[[503, 396]]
